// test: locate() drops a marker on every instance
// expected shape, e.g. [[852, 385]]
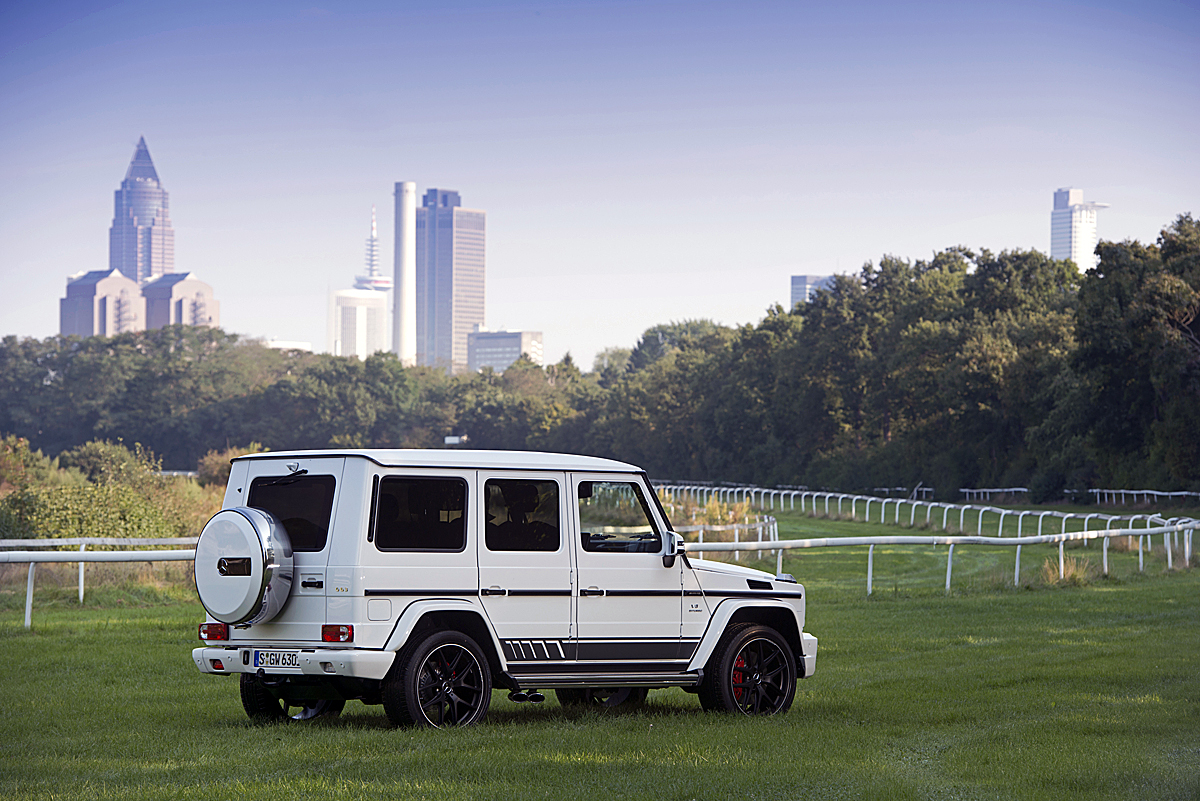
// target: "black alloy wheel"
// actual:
[[752, 672], [445, 682]]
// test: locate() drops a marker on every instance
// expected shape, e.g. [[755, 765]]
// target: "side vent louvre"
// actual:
[[755, 584]]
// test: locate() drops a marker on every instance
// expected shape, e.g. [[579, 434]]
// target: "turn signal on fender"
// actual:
[[337, 633]]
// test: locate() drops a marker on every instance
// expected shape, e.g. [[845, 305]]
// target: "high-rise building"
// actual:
[[180, 299], [499, 349], [141, 242], [357, 322], [449, 278], [805, 286], [101, 303], [1073, 228]]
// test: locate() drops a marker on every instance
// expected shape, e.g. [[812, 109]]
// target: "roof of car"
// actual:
[[511, 460]]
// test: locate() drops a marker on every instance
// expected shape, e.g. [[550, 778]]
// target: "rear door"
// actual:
[[303, 494], [525, 567]]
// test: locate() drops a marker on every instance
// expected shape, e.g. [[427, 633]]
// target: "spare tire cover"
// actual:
[[243, 566]]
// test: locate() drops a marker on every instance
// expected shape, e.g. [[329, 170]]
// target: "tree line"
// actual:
[[970, 368]]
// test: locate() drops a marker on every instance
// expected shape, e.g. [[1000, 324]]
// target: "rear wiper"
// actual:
[[288, 479]]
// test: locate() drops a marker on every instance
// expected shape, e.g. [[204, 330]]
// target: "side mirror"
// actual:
[[674, 548]]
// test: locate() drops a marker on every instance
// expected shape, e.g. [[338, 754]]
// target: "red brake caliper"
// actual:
[[738, 665]]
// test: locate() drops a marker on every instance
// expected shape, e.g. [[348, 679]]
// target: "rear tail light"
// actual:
[[214, 631], [337, 633]]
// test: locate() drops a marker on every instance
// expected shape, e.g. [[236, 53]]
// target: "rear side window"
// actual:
[[303, 504], [522, 515], [421, 514]]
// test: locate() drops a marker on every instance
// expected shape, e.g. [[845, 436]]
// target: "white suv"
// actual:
[[420, 579]]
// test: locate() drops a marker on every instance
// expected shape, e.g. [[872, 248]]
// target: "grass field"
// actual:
[[1043, 691]]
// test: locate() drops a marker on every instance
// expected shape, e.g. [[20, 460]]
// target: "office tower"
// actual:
[[180, 299], [404, 303], [1073, 228], [805, 286], [374, 279], [101, 303], [357, 322], [141, 243], [499, 349], [449, 278]]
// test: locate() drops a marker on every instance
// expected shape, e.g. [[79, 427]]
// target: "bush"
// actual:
[[214, 466]]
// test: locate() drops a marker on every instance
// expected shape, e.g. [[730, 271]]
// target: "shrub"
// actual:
[[214, 466]]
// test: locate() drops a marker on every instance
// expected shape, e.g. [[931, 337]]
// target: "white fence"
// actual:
[[780, 546], [83, 556]]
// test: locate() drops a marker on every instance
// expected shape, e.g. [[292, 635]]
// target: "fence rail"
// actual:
[[780, 546]]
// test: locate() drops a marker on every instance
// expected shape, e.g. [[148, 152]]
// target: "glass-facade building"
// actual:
[[141, 241], [1073, 228], [805, 286], [499, 349], [450, 278]]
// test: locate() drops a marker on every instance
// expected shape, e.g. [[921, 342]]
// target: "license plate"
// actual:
[[276, 659]]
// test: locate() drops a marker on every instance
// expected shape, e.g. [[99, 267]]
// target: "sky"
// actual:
[[639, 162]]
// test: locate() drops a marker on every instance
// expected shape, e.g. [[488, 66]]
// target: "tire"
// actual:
[[619, 698], [261, 704], [752, 671], [443, 681]]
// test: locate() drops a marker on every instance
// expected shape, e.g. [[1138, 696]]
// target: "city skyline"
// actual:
[[668, 166]]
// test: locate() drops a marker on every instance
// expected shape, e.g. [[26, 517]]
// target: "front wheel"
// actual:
[[752, 672], [445, 681]]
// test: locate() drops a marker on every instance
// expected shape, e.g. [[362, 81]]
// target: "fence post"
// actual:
[[1106, 556], [29, 597], [1061, 569], [870, 567], [779, 562], [81, 564], [1167, 545], [949, 567], [1140, 563], [1017, 569]]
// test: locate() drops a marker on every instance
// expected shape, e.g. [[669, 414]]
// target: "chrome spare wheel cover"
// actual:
[[243, 566]]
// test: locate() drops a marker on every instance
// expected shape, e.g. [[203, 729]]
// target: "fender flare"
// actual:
[[724, 613], [415, 611]]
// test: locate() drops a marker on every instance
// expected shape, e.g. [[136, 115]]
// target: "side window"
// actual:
[[421, 514], [613, 517], [522, 515], [303, 504]]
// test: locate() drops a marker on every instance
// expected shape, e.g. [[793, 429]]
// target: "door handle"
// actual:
[[312, 584], [493, 591], [590, 591]]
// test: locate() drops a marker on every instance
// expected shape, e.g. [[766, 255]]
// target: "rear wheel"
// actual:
[[752, 672], [262, 705], [603, 697], [443, 681]]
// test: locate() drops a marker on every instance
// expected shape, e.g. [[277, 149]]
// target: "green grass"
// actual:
[[1041, 692]]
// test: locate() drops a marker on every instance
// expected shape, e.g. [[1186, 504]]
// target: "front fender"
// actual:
[[724, 614]]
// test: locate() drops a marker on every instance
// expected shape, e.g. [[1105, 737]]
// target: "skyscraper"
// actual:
[[141, 242], [1073, 228], [358, 317], [449, 278], [805, 286]]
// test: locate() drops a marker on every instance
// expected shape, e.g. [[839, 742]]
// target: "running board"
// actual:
[[555, 680]]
